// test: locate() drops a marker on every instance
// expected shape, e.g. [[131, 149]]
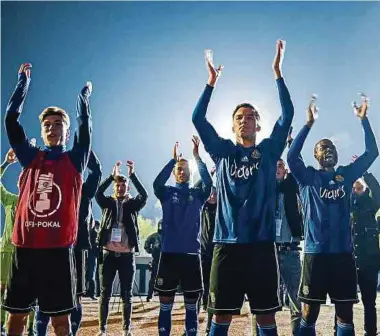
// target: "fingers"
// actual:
[[24, 67], [130, 163]]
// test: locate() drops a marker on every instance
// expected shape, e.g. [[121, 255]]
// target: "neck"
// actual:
[[327, 169], [249, 141]]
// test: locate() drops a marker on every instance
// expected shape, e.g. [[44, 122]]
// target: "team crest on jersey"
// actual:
[[256, 154], [306, 290], [175, 198], [339, 178], [160, 281]]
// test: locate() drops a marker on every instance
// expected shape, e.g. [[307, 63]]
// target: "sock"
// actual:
[[76, 319], [267, 330], [219, 329], [191, 319], [307, 329], [42, 322], [165, 319], [345, 329]]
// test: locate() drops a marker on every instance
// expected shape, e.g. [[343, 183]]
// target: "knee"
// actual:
[[61, 325], [344, 312], [105, 293], [225, 318], [16, 323], [169, 299], [267, 319], [310, 312], [191, 297]]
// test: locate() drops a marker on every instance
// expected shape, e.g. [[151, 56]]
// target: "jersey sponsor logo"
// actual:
[[332, 194], [45, 224], [245, 171], [43, 206], [245, 159]]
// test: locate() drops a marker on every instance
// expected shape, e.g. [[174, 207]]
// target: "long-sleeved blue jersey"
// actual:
[[181, 207], [246, 177], [326, 195]]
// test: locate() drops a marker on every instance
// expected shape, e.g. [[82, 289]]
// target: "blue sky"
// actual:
[[146, 63]]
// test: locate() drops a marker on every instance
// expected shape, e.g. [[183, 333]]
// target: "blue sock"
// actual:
[[191, 320], [219, 329], [165, 319], [267, 330], [345, 329], [307, 329], [76, 319], [42, 322]]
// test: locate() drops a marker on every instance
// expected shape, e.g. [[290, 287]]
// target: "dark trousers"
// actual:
[[124, 264], [206, 271], [367, 280], [153, 275], [97, 278], [90, 273]]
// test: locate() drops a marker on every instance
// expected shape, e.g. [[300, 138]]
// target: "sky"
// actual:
[[145, 60]]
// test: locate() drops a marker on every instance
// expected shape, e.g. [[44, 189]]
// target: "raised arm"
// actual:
[[82, 144], [7, 198], [374, 186], [17, 138], [281, 128], [140, 200], [213, 143], [357, 168], [159, 184], [100, 197], [206, 181], [94, 175]]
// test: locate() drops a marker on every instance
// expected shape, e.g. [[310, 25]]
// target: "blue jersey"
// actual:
[[246, 177], [326, 195], [181, 207]]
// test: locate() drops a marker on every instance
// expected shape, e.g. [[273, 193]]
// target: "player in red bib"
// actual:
[[46, 220]]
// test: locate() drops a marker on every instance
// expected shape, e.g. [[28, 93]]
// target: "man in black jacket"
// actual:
[[118, 241], [365, 204], [153, 246]]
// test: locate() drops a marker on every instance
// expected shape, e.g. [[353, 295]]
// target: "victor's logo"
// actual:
[[332, 193], [43, 205], [243, 172]]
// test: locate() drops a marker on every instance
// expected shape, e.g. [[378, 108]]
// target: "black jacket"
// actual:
[[289, 188], [153, 244], [131, 209], [89, 188], [364, 224], [207, 229]]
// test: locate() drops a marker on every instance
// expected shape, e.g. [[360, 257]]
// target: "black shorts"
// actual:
[[332, 274], [80, 266], [244, 269], [43, 275], [178, 268]]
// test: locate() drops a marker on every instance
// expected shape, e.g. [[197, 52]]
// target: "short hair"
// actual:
[[328, 140], [54, 110], [120, 178], [248, 105]]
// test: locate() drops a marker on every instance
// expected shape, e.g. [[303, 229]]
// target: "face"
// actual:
[[358, 188], [54, 131], [212, 198], [182, 172], [244, 123], [281, 171], [120, 189], [326, 154]]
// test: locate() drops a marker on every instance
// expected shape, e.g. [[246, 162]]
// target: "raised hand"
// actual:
[[278, 58], [312, 111], [87, 89], [25, 69], [116, 169], [131, 167], [10, 157], [176, 155], [196, 143], [213, 73], [361, 111]]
